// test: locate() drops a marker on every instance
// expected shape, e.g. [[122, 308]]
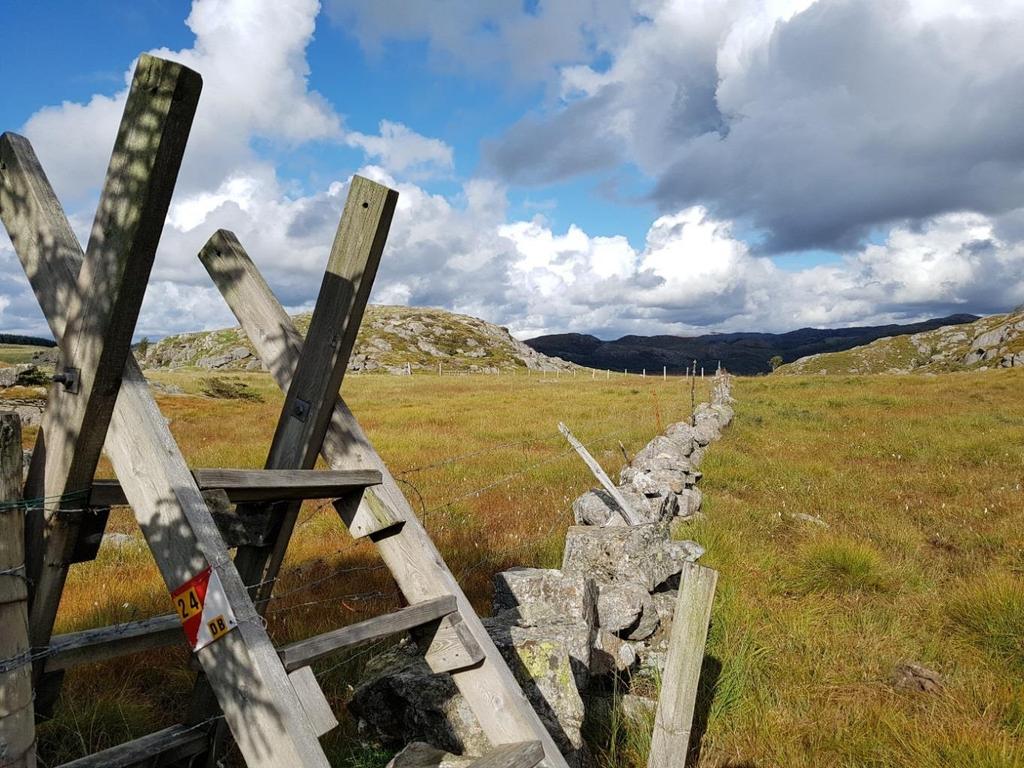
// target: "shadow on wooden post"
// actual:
[[17, 723]]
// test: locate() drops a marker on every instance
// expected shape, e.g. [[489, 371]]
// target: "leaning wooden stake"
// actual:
[[17, 725], [674, 720], [259, 702], [627, 512]]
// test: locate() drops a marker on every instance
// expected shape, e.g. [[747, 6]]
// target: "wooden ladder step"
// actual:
[[304, 652], [525, 754], [160, 748], [105, 643], [243, 485]]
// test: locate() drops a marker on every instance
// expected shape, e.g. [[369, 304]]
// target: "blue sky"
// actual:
[[602, 166]]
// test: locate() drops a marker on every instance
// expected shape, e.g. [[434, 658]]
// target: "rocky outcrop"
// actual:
[[988, 343], [398, 340]]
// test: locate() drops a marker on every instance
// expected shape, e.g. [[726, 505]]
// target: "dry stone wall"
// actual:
[[572, 633]]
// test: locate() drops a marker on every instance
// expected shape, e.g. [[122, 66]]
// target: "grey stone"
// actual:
[[917, 678], [620, 604], [401, 700], [594, 507], [545, 661], [690, 501], [540, 595], [638, 553], [638, 708], [218, 361], [706, 431], [611, 654], [240, 353]]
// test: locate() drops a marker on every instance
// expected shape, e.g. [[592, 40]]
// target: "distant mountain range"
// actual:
[[742, 353]]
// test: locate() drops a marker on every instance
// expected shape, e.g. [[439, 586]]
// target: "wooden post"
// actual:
[[17, 723], [100, 315], [674, 720], [489, 687], [627, 512], [664, 373], [258, 700]]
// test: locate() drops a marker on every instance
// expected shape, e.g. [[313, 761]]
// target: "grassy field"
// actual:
[[918, 479], [501, 432]]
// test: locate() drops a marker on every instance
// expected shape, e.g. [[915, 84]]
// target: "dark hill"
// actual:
[[743, 353]]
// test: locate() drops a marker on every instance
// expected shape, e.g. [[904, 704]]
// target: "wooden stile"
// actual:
[[674, 719], [17, 722], [489, 687], [255, 694]]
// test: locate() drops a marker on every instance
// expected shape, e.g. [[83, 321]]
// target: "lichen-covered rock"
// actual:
[[620, 604], [540, 595], [690, 501], [595, 507], [657, 482], [639, 553], [705, 432], [545, 661]]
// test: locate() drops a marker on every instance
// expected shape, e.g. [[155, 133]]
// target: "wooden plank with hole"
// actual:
[[490, 688], [260, 705]]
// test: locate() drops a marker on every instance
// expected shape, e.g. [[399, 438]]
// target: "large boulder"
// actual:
[[541, 595], [644, 554]]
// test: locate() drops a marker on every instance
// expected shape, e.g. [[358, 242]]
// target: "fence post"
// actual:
[[17, 723], [674, 720]]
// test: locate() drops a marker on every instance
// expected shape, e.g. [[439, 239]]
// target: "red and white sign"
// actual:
[[204, 610]]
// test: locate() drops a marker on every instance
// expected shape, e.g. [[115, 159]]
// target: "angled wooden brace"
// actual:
[[259, 701], [488, 685], [345, 289]]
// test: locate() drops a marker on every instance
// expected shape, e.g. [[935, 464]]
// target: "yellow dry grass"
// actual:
[[919, 480]]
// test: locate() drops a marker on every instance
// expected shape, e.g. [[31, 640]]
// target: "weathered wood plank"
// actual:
[[527, 754], [307, 651], [17, 723], [105, 643], [625, 509], [674, 719], [101, 314], [314, 703], [451, 646], [251, 684], [490, 688], [160, 748], [242, 485]]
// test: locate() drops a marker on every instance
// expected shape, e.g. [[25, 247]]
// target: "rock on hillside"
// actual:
[[390, 339], [991, 342]]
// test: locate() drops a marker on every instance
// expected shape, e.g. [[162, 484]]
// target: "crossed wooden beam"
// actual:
[[100, 401]]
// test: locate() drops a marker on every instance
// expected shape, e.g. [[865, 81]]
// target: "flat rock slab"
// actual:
[[644, 554]]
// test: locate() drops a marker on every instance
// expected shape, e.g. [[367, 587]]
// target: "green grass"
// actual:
[[919, 480]]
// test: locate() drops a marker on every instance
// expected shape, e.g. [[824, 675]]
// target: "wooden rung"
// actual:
[[259, 484], [105, 643], [304, 652], [526, 754], [451, 645], [175, 743]]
